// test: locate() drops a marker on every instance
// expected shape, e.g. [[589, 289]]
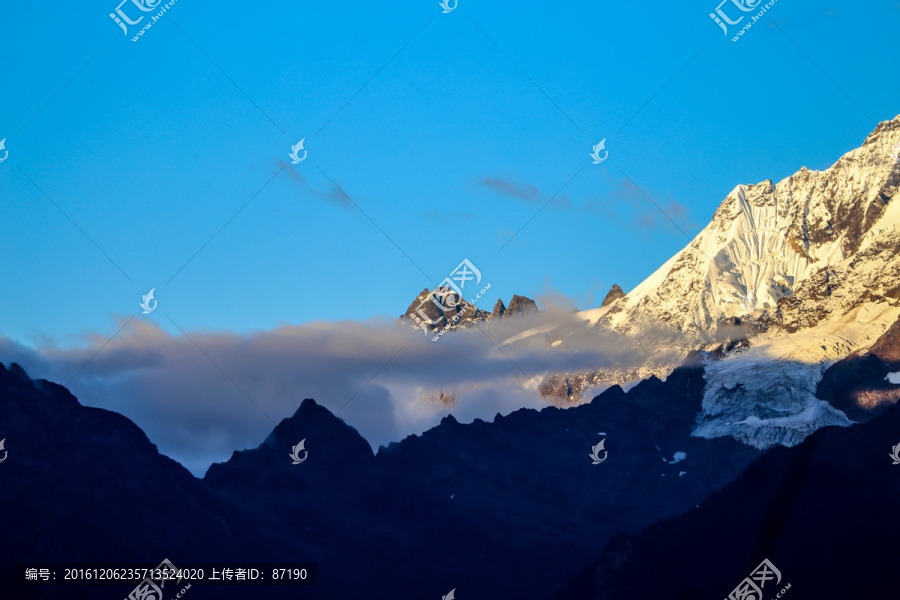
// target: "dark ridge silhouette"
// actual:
[[503, 509], [824, 512], [857, 384]]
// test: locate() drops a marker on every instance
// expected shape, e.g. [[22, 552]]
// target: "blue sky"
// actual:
[[162, 152]]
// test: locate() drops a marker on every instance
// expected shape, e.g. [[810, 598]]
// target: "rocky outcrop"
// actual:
[[614, 294], [519, 306], [448, 399], [559, 390], [443, 309]]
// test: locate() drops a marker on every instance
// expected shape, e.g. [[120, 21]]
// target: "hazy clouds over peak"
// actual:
[[202, 395]]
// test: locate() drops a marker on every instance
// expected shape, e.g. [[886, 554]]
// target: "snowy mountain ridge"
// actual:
[[785, 280], [767, 242]]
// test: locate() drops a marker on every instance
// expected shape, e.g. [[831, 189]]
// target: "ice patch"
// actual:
[[676, 458], [764, 402]]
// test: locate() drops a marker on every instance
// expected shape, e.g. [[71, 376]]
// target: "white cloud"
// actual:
[[198, 412]]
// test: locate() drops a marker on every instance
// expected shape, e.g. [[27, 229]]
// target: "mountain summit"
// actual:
[[815, 245], [442, 308], [785, 280]]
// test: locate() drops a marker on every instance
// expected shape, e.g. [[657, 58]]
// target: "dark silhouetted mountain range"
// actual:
[[508, 508]]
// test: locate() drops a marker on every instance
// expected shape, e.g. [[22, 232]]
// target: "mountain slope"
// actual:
[[824, 513], [785, 280], [492, 509], [83, 484], [789, 253]]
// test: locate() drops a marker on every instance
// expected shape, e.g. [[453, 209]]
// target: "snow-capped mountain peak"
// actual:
[[785, 280], [765, 241]]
